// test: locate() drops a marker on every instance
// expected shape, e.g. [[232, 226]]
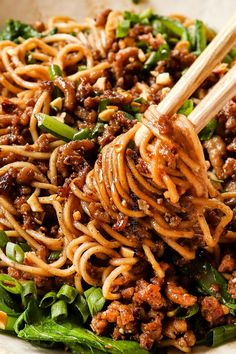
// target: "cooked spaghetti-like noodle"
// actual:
[[112, 203]]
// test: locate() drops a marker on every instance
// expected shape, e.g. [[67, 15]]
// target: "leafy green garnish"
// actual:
[[15, 29], [95, 300], [219, 335], [162, 53], [201, 41], [207, 132], [123, 29]]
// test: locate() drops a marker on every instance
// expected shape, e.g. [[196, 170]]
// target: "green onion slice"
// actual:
[[186, 108], [54, 71], [55, 127], [3, 239], [59, 310], [15, 252], [67, 293], [29, 291], [82, 134], [207, 132], [48, 299], [10, 284], [82, 306], [95, 300], [123, 28]]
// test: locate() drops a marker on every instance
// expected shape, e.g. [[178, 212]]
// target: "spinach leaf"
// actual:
[[219, 335], [49, 330], [15, 29]]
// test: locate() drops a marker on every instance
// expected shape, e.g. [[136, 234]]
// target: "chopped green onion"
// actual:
[[54, 71], [139, 117], [219, 335], [186, 108], [103, 104], [3, 239], [55, 127], [56, 104], [123, 29], [132, 17], [82, 67], [67, 293], [201, 41], [136, 1], [24, 246], [15, 252], [29, 291], [29, 59], [95, 300], [192, 36], [146, 14], [129, 116], [59, 310], [48, 299], [82, 306], [207, 132], [99, 128], [82, 134], [53, 256], [140, 100], [142, 45], [10, 284], [162, 53], [175, 27], [157, 27]]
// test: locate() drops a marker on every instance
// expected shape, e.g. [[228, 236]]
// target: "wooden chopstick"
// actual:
[[212, 103], [196, 74]]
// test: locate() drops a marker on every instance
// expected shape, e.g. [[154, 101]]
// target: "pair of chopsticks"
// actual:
[[219, 95]]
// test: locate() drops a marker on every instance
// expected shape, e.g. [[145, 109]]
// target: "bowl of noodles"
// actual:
[[116, 234]]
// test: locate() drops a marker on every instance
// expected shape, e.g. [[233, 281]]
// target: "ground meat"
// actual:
[[232, 285], [154, 42], [228, 264], [148, 293], [179, 295], [25, 176], [6, 182], [68, 88], [122, 58], [229, 167], [212, 310], [152, 332], [216, 149], [174, 327]]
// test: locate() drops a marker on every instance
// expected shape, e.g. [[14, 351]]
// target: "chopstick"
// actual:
[[212, 103], [196, 74]]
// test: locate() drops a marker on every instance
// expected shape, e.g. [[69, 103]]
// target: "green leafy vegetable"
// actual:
[[29, 59], [67, 293], [24, 246], [50, 331], [95, 300], [59, 310], [15, 29], [139, 117], [201, 41], [186, 108], [129, 116], [123, 29], [162, 53], [3, 239], [190, 312], [30, 315], [8, 304], [157, 27], [207, 132], [82, 67], [219, 335]]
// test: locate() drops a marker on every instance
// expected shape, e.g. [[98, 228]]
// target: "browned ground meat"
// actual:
[[174, 327], [216, 149], [232, 285], [179, 295], [212, 310], [228, 264]]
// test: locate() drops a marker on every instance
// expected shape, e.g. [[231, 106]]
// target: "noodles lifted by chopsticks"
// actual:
[[102, 209]]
